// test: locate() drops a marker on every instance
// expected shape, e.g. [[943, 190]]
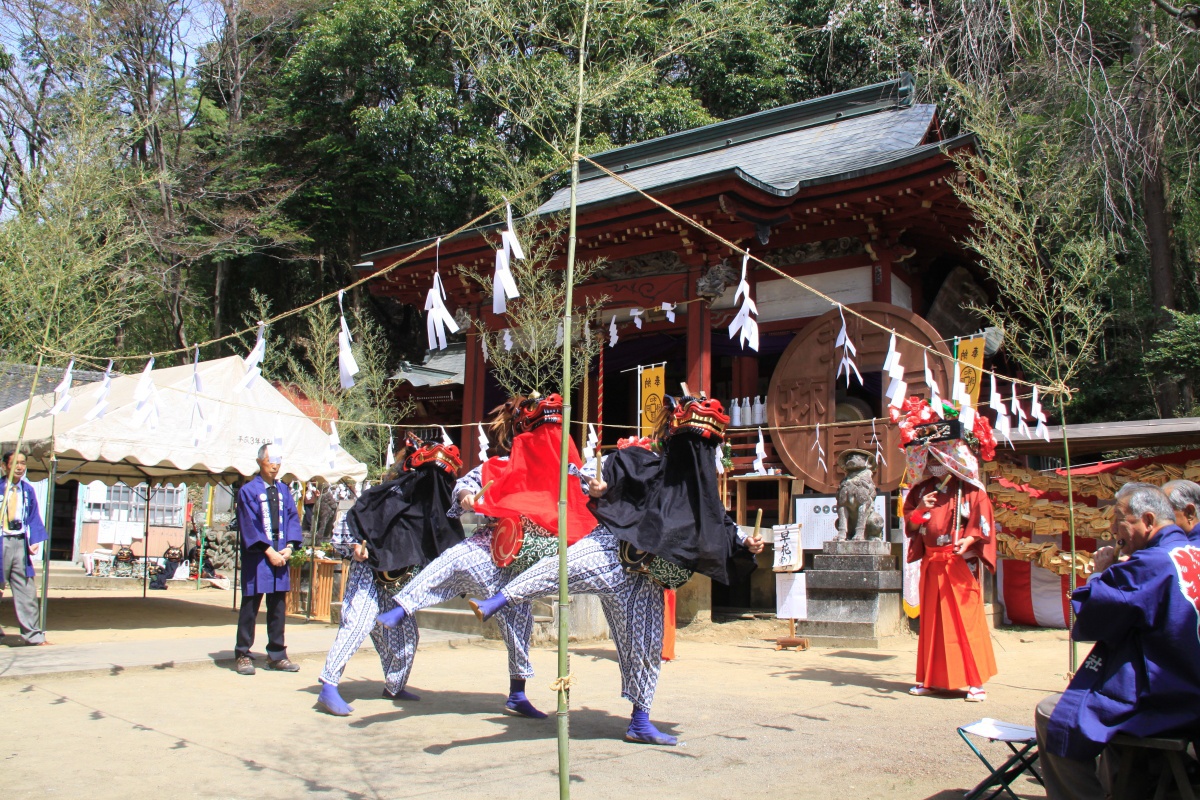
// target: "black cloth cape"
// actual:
[[404, 522], [669, 505]]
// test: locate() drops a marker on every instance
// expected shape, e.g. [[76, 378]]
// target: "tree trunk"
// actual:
[[221, 278]]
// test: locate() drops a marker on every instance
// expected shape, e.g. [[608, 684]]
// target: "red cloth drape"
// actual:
[[668, 649], [954, 648], [526, 485]]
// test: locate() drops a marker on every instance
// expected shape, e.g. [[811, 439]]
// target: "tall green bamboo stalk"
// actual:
[[564, 628]]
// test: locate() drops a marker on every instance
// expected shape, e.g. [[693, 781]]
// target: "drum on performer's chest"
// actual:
[[391, 582], [518, 543], [659, 570]]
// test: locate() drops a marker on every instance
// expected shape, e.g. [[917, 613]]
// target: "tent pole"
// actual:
[[312, 552], [146, 542], [49, 535]]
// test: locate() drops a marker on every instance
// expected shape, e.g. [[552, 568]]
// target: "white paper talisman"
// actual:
[[791, 595]]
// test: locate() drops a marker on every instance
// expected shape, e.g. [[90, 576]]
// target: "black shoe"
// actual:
[[245, 665], [283, 665]]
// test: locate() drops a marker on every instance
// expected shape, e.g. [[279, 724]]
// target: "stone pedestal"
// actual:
[[853, 595]]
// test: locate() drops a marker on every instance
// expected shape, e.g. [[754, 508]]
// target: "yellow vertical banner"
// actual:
[[970, 355], [651, 380]]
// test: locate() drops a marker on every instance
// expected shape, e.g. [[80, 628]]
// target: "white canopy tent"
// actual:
[[221, 447]]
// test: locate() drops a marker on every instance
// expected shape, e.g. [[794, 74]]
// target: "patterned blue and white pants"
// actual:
[[361, 605], [468, 568], [633, 605]]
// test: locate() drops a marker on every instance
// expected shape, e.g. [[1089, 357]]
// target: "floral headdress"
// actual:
[[923, 433]]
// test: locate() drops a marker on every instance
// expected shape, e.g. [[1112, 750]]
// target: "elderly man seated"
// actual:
[[1142, 678], [1185, 499]]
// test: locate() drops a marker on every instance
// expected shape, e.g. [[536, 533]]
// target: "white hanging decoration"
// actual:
[[504, 286], [558, 335], [612, 331], [589, 446], [1019, 413], [145, 412], [390, 458], [720, 461], [636, 313], [446, 440], [335, 443], [200, 427], [197, 384], [960, 395], [848, 353], [745, 321], [820, 448], [996, 403], [669, 308], [347, 365], [760, 455], [98, 410], [1035, 407], [935, 395], [254, 360], [439, 318], [62, 392], [483, 346], [508, 339], [483, 444], [878, 445], [897, 389]]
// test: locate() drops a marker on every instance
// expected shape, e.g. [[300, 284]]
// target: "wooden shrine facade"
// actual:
[[852, 194]]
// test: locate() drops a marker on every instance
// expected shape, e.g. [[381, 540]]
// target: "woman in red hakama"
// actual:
[[949, 522]]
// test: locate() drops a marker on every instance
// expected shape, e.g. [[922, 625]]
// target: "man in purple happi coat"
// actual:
[[270, 528], [1142, 678], [1185, 500], [21, 537]]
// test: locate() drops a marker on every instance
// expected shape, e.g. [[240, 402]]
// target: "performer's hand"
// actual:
[[1104, 558], [964, 544], [360, 552], [597, 487], [929, 500], [754, 544], [467, 500]]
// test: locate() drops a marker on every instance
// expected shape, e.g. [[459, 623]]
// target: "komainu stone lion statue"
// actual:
[[856, 514]]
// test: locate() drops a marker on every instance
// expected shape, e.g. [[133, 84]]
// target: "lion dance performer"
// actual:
[[518, 495], [391, 533], [661, 519], [950, 527]]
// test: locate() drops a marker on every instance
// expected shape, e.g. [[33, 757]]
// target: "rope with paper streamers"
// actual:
[[466, 226], [817, 292]]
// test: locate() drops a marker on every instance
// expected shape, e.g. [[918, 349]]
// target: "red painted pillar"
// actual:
[[699, 347], [473, 378]]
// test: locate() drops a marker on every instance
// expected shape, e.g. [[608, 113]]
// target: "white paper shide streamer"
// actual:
[[996, 403], [446, 440], [483, 443], [1035, 408], [101, 407], [390, 458], [347, 365], [254, 359], [62, 392], [200, 427], [589, 446], [897, 389], [439, 318], [636, 313], [504, 286], [935, 395], [744, 323], [612, 331], [760, 455], [669, 308], [1019, 413], [960, 395], [335, 443], [848, 352], [878, 445], [508, 339], [145, 396], [820, 448]]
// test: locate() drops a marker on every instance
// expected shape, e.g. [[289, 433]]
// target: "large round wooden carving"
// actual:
[[803, 391]]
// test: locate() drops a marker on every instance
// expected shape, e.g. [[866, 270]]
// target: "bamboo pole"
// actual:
[[564, 752], [1062, 416]]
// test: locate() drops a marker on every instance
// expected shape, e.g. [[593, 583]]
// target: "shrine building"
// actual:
[[851, 193]]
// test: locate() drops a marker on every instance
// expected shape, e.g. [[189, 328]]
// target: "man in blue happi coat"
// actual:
[[21, 537], [1185, 500], [1142, 678], [270, 528]]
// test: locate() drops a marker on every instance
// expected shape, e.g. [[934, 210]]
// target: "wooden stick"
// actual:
[[758, 526], [479, 494]]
